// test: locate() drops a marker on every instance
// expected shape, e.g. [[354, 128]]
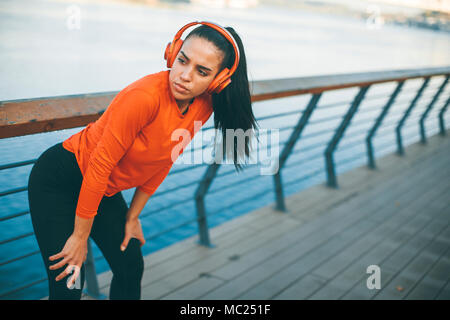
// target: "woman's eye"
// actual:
[[181, 60], [203, 73]]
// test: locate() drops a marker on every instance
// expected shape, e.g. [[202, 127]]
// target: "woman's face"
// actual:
[[194, 68]]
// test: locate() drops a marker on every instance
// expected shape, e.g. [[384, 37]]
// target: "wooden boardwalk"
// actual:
[[396, 217]]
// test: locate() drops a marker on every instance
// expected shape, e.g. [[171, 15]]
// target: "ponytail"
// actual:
[[232, 106]]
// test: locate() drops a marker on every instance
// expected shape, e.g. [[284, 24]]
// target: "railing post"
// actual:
[[200, 203], [378, 122], [441, 118], [91, 276], [427, 111], [329, 162], [280, 206], [398, 129]]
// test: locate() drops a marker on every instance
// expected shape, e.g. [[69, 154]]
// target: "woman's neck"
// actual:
[[184, 105]]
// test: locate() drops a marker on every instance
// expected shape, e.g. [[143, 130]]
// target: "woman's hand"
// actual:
[[74, 254], [133, 229]]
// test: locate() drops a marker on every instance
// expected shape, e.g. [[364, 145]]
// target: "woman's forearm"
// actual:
[[140, 198], [82, 227]]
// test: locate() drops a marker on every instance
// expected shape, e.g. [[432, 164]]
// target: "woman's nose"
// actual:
[[186, 75]]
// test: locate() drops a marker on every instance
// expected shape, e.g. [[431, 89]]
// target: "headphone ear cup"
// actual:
[[223, 85], [219, 82], [167, 53], [172, 54]]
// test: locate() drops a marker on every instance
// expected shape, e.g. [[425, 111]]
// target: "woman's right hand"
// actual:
[[74, 254]]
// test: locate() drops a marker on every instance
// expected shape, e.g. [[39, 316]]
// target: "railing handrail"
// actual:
[[46, 114]]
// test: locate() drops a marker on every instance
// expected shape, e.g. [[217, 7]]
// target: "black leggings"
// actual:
[[53, 188]]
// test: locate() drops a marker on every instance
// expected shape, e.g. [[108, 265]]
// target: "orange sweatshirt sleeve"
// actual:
[[128, 114], [154, 182]]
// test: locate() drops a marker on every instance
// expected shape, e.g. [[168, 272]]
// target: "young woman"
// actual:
[[75, 186]]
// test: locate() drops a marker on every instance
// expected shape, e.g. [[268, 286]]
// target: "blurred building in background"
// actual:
[[227, 3], [431, 5]]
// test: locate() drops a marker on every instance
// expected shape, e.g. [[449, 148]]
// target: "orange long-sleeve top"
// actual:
[[131, 144]]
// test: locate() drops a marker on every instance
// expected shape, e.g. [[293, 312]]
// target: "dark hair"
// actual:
[[232, 106]]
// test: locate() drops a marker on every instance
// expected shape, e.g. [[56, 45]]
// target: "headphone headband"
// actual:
[[220, 29], [223, 79]]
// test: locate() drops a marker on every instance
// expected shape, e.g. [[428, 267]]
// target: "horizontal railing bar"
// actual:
[[308, 147], [285, 128], [12, 191], [15, 215], [226, 173], [365, 109], [382, 146], [195, 166], [303, 160], [17, 164], [349, 145], [308, 176], [354, 132], [171, 229], [19, 258], [17, 238], [407, 136], [325, 119], [222, 188], [304, 138], [252, 196], [149, 213], [332, 105], [175, 189], [315, 134], [350, 159], [279, 115], [395, 122], [23, 287]]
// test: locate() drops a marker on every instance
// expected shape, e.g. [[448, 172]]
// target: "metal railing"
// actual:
[[29, 116]]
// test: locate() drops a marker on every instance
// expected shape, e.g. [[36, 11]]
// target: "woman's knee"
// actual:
[[59, 290], [132, 260]]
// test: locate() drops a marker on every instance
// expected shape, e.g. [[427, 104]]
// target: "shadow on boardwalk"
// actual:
[[396, 217]]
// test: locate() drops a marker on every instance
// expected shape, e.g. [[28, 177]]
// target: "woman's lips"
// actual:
[[180, 88]]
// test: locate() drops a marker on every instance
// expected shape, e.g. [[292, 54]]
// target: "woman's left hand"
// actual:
[[133, 229]]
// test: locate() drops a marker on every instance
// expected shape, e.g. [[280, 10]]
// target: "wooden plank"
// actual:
[[386, 250], [434, 281], [385, 227], [267, 288], [302, 288], [392, 238], [404, 276], [172, 282]]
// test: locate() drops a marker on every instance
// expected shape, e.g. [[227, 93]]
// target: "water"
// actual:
[[118, 43]]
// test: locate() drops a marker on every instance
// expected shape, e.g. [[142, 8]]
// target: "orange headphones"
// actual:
[[223, 78]]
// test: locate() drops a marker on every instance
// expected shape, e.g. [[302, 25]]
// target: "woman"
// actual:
[[75, 186]]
